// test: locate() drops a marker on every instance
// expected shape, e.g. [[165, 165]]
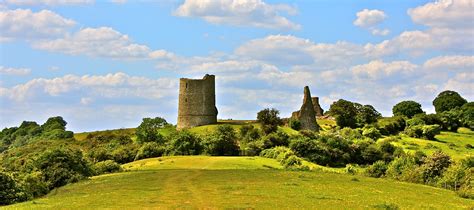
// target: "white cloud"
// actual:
[[99, 42], [462, 83], [14, 71], [254, 13], [444, 14], [86, 100], [25, 24], [378, 69], [369, 18], [449, 63], [380, 32], [48, 2], [106, 86]]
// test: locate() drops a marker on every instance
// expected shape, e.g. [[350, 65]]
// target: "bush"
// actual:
[[62, 166], [294, 124], [451, 119], [400, 166], [252, 148], [414, 131], [149, 150], [372, 133], [222, 142], [455, 177], [391, 125], [377, 169], [434, 165], [415, 121], [349, 133], [467, 115], [33, 184], [269, 120], [10, 191], [430, 131], [285, 156], [275, 139], [184, 143], [108, 166]]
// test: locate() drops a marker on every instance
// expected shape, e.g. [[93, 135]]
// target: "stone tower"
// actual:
[[307, 115], [197, 102], [317, 108]]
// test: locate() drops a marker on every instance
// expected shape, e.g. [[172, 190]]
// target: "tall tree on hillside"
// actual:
[[448, 100], [269, 120], [407, 108], [345, 113]]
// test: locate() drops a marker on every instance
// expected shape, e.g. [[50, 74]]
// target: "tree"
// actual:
[[345, 113], [54, 123], [147, 131], [407, 108], [222, 142], [269, 120], [366, 114], [467, 116], [184, 143], [10, 191], [448, 100]]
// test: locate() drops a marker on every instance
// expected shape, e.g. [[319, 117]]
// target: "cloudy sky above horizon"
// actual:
[[107, 64]]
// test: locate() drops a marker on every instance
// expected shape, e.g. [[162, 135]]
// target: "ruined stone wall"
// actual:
[[197, 102], [307, 115], [317, 108]]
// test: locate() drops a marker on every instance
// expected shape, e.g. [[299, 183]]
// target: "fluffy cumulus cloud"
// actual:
[[48, 2], [370, 19], [450, 63], [26, 24], [254, 13], [378, 69], [100, 42], [445, 14], [14, 71], [117, 85]]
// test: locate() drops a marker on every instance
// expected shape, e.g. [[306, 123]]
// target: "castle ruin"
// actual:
[[197, 102], [317, 108], [307, 114]]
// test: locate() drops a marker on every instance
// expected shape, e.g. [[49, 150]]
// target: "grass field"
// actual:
[[239, 182], [453, 144]]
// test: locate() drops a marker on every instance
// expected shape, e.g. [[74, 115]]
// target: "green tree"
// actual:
[[184, 143], [147, 131], [467, 116], [366, 114], [269, 120], [222, 142], [448, 100], [54, 123], [10, 191], [345, 113], [407, 108]]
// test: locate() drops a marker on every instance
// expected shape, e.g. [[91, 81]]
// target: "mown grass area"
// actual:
[[121, 131], [453, 144], [239, 182]]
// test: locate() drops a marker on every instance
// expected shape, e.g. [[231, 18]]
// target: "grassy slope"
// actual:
[[451, 143], [239, 182]]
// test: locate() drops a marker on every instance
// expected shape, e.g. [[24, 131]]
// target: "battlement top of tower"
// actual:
[[206, 77]]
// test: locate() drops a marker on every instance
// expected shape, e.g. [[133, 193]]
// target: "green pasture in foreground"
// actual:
[[453, 144], [239, 182]]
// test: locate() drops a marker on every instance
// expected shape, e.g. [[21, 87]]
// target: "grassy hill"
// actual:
[[239, 182]]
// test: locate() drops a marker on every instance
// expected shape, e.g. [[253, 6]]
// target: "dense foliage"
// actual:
[[448, 100], [407, 109], [269, 120]]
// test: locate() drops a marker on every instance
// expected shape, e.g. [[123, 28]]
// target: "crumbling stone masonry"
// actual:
[[317, 108], [307, 115], [197, 102]]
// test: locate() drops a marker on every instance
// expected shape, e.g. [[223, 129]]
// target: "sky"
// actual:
[[108, 64]]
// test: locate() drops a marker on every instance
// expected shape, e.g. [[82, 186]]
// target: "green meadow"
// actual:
[[239, 182]]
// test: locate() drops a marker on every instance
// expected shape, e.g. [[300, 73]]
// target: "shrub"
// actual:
[[391, 125], [455, 177], [252, 148], [451, 119], [33, 184], [108, 166], [294, 124], [62, 166], [377, 169], [349, 133], [467, 115], [430, 131], [407, 108], [149, 150], [269, 120], [434, 165], [400, 166], [372, 133], [291, 161], [222, 142], [415, 121], [414, 131], [184, 143], [275, 139], [124, 153], [448, 100], [10, 191]]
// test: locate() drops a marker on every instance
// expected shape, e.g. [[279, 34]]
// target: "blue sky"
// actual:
[[107, 64]]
